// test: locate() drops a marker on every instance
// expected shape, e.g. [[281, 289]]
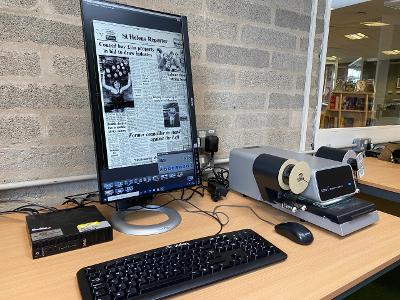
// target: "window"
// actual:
[[361, 86]]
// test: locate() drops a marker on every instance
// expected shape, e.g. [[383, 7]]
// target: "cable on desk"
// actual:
[[29, 209], [14, 212], [183, 199], [199, 210], [245, 206], [80, 201]]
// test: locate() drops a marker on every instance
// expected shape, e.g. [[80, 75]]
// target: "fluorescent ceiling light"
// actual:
[[391, 52], [333, 57], [356, 36], [374, 24]]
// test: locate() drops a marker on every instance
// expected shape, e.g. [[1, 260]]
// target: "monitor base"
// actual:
[[119, 223]]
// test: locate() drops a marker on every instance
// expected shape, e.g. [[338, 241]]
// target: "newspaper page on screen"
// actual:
[[143, 93]]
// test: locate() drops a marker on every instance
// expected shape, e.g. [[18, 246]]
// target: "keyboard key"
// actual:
[[104, 297], [163, 283]]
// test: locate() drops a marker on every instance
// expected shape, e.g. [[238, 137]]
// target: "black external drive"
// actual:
[[66, 230]]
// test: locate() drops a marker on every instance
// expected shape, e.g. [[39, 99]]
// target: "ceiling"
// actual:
[[342, 3], [347, 20]]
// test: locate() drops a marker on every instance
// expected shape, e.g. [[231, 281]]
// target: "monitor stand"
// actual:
[[126, 207]]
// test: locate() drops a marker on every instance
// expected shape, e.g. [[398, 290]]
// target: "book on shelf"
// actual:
[[334, 102], [348, 122], [353, 103]]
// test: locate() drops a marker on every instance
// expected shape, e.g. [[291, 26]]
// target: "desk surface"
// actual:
[[328, 267], [381, 174]]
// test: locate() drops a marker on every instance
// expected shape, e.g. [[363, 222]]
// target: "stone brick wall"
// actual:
[[249, 60]]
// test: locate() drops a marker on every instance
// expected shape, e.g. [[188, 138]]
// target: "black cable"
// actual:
[[206, 165], [184, 199], [87, 195], [220, 178], [181, 198], [37, 205], [206, 213], [15, 212], [248, 207], [29, 209], [74, 199]]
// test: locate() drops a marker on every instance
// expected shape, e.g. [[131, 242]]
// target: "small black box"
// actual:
[[66, 230]]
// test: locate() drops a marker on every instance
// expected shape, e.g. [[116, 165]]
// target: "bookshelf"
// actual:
[[349, 109]]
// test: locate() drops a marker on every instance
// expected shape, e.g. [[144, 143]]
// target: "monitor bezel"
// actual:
[[94, 85]]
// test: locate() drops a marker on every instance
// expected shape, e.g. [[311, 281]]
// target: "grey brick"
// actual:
[[71, 67], [69, 126], [289, 62], [66, 157], [16, 129], [18, 3], [158, 4], [304, 43], [295, 119], [292, 20], [19, 64], [24, 28], [293, 5], [300, 82], [250, 120], [237, 56], [66, 7], [37, 97], [268, 37], [274, 80], [252, 137], [195, 51], [277, 100], [229, 139], [241, 10], [276, 118], [228, 100], [216, 121], [207, 27], [213, 76], [272, 118], [284, 138]]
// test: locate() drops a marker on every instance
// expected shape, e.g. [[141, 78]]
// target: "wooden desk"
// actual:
[[381, 174], [381, 179], [325, 269]]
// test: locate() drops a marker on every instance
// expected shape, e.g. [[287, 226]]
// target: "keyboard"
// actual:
[[177, 268]]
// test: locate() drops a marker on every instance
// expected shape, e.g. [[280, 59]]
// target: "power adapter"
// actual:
[[217, 190]]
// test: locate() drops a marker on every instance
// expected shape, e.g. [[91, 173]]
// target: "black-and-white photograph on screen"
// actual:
[[171, 115], [171, 61], [116, 83]]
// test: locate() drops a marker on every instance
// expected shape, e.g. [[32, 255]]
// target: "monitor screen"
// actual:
[[142, 100]]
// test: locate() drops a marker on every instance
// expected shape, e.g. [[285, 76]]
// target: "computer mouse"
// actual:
[[295, 232]]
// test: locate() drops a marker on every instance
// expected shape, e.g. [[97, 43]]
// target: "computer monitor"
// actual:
[[142, 104]]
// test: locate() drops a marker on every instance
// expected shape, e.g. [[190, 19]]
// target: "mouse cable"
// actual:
[[244, 206]]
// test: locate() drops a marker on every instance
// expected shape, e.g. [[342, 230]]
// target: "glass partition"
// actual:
[[362, 72]]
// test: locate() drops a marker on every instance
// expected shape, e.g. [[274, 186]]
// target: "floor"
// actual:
[[386, 287]]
